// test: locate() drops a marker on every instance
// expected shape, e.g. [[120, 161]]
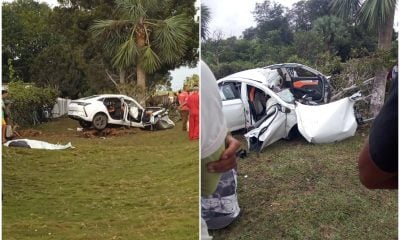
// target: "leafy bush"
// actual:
[[27, 102]]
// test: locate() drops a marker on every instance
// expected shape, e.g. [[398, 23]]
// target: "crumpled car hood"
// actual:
[[327, 123], [317, 123]]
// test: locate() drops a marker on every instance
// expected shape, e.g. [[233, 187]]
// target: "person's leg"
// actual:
[[3, 131], [185, 115], [191, 126], [196, 127]]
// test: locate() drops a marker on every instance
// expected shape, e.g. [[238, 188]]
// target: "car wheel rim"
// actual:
[[99, 122]]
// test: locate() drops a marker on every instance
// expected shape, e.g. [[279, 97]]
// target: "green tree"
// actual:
[[25, 35], [139, 39], [308, 45], [272, 17], [379, 17], [332, 30], [192, 81], [61, 68], [304, 13]]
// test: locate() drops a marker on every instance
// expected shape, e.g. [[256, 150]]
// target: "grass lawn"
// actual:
[[298, 190], [142, 185]]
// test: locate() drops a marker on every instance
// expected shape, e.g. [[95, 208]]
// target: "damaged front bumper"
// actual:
[[159, 118]]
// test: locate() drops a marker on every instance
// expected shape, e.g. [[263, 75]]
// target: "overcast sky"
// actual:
[[231, 17]]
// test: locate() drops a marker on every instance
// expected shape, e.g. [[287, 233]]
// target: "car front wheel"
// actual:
[[100, 121]]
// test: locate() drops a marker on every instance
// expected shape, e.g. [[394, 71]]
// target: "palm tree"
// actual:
[[379, 16], [205, 20], [138, 40]]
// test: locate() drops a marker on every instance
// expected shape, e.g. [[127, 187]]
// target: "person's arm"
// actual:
[[371, 176], [228, 158]]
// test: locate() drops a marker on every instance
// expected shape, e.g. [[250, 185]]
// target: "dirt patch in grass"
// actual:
[[135, 185]]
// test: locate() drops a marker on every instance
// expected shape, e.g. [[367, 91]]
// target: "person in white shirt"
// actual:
[[218, 147]]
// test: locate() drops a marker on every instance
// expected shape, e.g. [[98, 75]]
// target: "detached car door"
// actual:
[[232, 105]]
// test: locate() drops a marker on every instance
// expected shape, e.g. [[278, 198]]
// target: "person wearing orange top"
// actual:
[[184, 110], [193, 104]]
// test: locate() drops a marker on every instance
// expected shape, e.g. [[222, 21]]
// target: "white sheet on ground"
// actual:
[[327, 123], [36, 144]]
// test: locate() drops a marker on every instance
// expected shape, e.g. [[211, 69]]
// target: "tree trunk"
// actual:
[[140, 73], [379, 85]]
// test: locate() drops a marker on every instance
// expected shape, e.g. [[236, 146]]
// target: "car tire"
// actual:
[[293, 133], [85, 124], [100, 121]]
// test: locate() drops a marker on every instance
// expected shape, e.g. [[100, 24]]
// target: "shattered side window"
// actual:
[[229, 91]]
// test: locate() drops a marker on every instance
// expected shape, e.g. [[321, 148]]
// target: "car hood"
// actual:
[[327, 123]]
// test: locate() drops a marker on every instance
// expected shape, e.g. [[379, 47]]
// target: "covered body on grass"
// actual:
[[116, 109], [272, 102], [36, 144]]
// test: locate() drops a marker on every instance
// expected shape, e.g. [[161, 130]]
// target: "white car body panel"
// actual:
[[270, 131], [327, 123], [235, 110]]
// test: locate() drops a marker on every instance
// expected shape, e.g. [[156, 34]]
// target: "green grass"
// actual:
[[143, 185], [298, 190]]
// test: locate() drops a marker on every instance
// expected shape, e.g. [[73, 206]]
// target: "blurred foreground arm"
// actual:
[[371, 176], [228, 158], [378, 160]]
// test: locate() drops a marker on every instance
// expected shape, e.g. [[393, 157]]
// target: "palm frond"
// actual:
[[136, 9], [170, 37], [149, 60], [345, 9], [105, 28], [112, 44], [376, 12], [205, 19], [126, 54]]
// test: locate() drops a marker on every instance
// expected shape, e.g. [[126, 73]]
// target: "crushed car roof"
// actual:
[[266, 74]]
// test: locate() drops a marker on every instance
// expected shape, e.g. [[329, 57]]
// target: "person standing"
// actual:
[[193, 105], [218, 160], [4, 94], [184, 110]]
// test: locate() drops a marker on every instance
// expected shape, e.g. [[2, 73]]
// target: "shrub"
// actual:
[[27, 102]]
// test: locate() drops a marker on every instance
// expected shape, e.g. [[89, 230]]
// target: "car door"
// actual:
[[307, 84], [232, 104], [113, 106], [133, 113]]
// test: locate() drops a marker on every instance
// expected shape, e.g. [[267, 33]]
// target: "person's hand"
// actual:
[[228, 157]]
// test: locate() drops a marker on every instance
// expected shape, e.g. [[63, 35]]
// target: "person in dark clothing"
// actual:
[[378, 160]]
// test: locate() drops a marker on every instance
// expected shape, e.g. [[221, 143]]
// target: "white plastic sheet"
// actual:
[[327, 123], [28, 143]]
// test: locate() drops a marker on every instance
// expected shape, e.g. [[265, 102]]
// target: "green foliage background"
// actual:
[[27, 101], [54, 47], [306, 33]]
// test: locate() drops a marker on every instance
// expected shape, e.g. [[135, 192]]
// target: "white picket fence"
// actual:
[[60, 108]]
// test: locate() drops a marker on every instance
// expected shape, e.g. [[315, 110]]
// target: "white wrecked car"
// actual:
[[274, 101], [116, 109]]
